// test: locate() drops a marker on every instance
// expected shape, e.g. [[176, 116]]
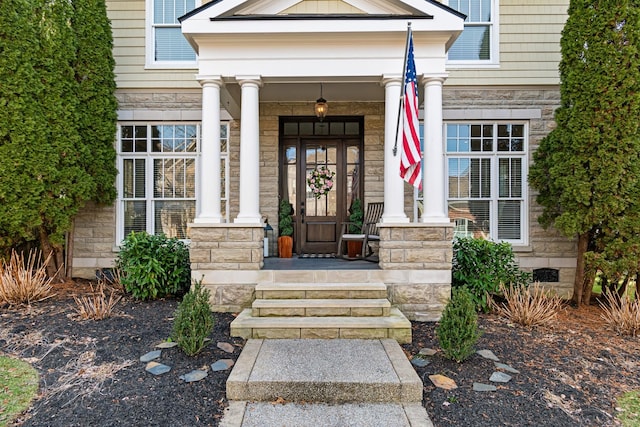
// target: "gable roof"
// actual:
[[277, 9]]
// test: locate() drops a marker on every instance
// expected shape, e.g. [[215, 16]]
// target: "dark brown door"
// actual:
[[319, 215], [318, 219]]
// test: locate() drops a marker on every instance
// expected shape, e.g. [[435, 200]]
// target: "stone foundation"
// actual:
[[226, 246]]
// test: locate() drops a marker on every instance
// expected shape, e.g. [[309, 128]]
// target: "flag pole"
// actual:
[[404, 75]]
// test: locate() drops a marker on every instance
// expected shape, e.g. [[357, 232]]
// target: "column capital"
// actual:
[[204, 79], [253, 79], [390, 79], [426, 79]]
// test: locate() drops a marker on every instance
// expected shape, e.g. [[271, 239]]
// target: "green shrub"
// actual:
[[356, 217], [154, 266], [193, 321], [482, 266], [285, 222], [458, 331]]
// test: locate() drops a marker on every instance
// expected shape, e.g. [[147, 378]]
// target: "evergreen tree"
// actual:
[[67, 184], [587, 170], [97, 118], [57, 119], [21, 124]]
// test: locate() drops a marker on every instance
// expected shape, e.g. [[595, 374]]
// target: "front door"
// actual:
[[318, 147]]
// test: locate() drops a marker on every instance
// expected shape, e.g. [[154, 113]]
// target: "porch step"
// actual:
[[395, 326], [329, 371], [322, 310], [320, 291], [321, 307]]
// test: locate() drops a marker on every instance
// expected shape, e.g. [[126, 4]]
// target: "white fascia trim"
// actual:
[[194, 27]]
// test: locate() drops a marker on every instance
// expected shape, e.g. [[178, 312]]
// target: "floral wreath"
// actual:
[[320, 181]]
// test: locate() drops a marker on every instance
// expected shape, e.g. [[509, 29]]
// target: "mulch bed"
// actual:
[[569, 374]]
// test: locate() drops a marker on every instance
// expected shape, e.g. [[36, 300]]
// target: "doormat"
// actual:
[[317, 256]]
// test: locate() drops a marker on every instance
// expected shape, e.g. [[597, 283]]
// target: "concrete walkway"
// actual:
[[316, 382]]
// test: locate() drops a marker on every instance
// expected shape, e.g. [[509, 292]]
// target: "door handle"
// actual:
[[302, 215]]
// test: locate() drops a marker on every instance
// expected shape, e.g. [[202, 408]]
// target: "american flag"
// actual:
[[410, 167]]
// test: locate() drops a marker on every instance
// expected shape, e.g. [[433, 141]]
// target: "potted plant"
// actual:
[[285, 229], [356, 216]]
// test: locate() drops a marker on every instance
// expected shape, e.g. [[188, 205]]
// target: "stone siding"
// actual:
[[94, 240], [226, 246], [546, 248], [95, 243]]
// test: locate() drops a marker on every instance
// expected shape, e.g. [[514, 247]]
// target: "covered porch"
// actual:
[[262, 61]]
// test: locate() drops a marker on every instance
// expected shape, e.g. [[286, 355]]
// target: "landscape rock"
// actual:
[[225, 346], [500, 377], [484, 387], [167, 344], [156, 368], [427, 351], [152, 355], [193, 376], [488, 354], [443, 382], [222, 365], [506, 367], [420, 362]]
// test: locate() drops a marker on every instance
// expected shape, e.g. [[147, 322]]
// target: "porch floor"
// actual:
[[295, 263]]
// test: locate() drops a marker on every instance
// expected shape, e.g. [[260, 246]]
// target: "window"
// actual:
[[157, 181], [166, 45], [478, 42], [486, 189]]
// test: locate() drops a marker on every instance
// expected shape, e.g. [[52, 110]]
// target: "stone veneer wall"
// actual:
[[94, 240], [426, 251], [225, 247], [95, 245], [546, 248]]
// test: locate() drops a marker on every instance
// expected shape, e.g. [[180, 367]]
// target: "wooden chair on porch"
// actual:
[[368, 232]]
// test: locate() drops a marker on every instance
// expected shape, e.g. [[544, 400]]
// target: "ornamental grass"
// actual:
[[528, 306], [622, 314], [97, 305], [23, 282]]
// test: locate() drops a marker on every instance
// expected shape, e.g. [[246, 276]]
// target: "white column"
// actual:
[[208, 194], [435, 208], [393, 183], [249, 212]]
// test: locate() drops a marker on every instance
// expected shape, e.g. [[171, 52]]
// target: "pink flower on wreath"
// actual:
[[320, 181]]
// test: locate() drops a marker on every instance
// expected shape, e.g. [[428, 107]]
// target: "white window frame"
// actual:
[[150, 42], [494, 155], [494, 52], [148, 157]]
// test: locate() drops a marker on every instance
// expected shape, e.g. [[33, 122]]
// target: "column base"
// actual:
[[208, 220], [248, 219], [436, 220], [394, 219]]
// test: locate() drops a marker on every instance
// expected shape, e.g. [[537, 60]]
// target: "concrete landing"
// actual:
[[358, 382]]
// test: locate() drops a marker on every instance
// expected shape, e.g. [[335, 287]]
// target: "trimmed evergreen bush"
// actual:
[[154, 266], [285, 222], [481, 266], [356, 216], [193, 321], [458, 331]]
